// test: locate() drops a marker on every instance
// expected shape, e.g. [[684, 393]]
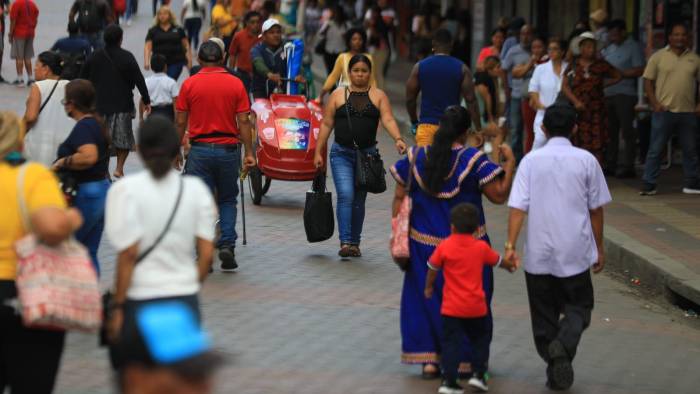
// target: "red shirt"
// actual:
[[25, 15], [213, 98], [241, 45], [462, 259]]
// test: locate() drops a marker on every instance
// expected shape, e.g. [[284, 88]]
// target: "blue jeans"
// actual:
[[96, 40], [516, 128], [90, 201], [350, 206], [175, 69], [219, 168], [662, 126]]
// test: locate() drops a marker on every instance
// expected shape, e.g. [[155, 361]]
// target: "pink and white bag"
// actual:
[[400, 227], [57, 286]]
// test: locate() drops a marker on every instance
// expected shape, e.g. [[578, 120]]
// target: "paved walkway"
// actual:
[[297, 319]]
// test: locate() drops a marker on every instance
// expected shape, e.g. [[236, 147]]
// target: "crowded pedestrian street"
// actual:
[[292, 316]]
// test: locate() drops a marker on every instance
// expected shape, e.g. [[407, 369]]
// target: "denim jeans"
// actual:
[[193, 26], [174, 70], [219, 168], [662, 125], [516, 128], [350, 206], [90, 201], [96, 40]]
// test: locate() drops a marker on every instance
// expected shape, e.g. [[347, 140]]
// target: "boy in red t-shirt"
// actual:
[[464, 309]]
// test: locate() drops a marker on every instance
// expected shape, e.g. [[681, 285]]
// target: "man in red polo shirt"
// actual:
[[214, 109], [243, 42], [24, 15]]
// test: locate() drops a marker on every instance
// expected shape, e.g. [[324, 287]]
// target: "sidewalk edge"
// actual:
[[652, 268]]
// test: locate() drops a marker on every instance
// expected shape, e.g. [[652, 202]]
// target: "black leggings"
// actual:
[[29, 358], [193, 26]]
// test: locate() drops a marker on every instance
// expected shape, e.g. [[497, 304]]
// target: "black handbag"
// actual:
[[107, 296], [370, 174], [68, 184], [319, 222]]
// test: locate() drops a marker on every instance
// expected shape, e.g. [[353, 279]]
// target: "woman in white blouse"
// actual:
[[47, 123], [166, 217], [545, 85]]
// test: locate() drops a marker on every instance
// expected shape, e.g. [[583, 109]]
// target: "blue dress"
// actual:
[[421, 323]]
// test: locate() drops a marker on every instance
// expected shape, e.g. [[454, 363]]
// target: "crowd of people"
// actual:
[[556, 112]]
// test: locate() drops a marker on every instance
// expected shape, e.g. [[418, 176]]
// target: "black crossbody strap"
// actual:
[[347, 112], [48, 98], [167, 226]]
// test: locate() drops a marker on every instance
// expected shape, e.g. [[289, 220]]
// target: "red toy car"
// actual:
[[286, 129]]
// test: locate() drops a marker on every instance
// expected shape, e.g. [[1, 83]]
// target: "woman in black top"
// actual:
[[84, 158], [168, 39], [365, 107]]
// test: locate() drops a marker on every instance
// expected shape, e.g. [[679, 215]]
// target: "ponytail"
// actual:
[[453, 124]]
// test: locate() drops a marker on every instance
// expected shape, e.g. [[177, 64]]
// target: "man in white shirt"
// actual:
[[562, 190], [162, 89]]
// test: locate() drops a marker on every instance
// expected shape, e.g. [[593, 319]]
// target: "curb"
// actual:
[[662, 274]]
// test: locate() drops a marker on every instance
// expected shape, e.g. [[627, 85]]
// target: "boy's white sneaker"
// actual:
[[478, 382]]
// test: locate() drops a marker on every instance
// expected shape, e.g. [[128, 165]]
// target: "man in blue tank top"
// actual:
[[442, 80]]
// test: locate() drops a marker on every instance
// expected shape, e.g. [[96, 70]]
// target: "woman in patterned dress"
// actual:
[[444, 174], [585, 79]]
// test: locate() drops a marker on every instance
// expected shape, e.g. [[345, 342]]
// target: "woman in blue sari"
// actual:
[[444, 174]]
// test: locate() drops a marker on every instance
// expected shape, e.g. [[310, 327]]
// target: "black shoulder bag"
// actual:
[[369, 167], [107, 297], [48, 98]]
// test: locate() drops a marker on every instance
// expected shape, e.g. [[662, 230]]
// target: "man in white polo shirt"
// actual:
[[562, 190]]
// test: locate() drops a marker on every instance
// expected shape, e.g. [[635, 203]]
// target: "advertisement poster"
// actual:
[[293, 133]]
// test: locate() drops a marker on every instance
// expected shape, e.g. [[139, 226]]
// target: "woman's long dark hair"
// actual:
[[53, 61], [81, 93], [453, 125], [158, 145]]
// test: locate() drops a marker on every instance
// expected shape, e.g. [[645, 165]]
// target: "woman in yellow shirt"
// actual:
[[35, 354], [223, 24], [356, 41]]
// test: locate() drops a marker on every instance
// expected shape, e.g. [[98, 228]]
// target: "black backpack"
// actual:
[[72, 64], [89, 19]]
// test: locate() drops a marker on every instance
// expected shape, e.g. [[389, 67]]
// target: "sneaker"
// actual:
[[18, 82], [648, 189], [30, 82], [561, 372], [694, 188], [228, 259], [450, 388], [2, 80], [478, 382]]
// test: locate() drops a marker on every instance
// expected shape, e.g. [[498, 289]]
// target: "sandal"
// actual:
[[355, 251], [344, 250], [430, 372]]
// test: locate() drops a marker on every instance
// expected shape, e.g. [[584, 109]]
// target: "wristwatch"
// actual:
[[509, 246]]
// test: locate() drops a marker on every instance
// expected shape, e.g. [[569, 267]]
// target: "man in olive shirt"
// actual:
[[670, 81]]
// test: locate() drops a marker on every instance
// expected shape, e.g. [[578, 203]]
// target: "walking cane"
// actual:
[[244, 174]]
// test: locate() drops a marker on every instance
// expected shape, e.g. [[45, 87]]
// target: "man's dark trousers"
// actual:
[[550, 297]]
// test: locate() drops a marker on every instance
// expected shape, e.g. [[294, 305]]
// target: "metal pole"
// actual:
[[245, 240]]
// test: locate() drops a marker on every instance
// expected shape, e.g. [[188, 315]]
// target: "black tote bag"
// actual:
[[319, 221]]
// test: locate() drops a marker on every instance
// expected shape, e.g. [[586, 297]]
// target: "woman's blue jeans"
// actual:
[[90, 201], [174, 70], [350, 206]]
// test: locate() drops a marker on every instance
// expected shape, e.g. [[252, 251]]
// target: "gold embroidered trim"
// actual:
[[420, 358], [452, 193], [432, 240], [489, 178]]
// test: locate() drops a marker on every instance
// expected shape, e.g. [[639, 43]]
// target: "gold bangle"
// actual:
[[509, 246]]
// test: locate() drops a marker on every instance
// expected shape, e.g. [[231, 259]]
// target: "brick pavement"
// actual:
[[297, 319]]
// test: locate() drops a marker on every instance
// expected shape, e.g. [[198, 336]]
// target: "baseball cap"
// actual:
[[218, 41], [269, 24], [210, 52], [576, 42]]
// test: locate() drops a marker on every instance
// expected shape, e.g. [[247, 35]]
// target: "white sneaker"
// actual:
[[454, 388], [691, 190], [478, 382]]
